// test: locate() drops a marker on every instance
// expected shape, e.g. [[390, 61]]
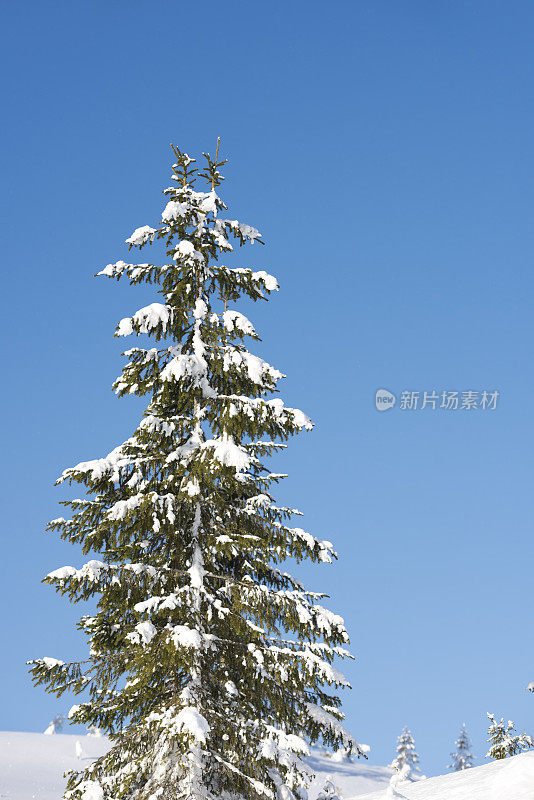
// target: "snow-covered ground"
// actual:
[[32, 767], [509, 779], [351, 778], [32, 764]]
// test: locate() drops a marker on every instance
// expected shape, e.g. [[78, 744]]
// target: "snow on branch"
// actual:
[[326, 720], [141, 236], [152, 317]]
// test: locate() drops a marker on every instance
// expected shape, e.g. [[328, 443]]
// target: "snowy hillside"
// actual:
[[351, 779], [32, 764], [508, 779], [32, 767]]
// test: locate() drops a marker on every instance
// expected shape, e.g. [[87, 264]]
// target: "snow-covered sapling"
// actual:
[[80, 752], [504, 740], [209, 666], [55, 726], [462, 757], [396, 779], [407, 758], [329, 791]]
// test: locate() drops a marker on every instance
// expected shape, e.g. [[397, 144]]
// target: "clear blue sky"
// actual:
[[385, 151]]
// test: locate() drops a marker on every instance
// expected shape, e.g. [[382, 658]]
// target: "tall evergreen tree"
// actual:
[[462, 758], [504, 740], [407, 758], [209, 666]]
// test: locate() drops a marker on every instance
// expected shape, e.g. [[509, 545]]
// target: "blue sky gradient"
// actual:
[[385, 151]]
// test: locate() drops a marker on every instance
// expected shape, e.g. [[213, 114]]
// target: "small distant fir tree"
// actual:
[[210, 667], [462, 758], [504, 740], [55, 725], [407, 759]]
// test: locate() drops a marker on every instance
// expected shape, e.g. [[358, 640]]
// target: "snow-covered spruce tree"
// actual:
[[209, 666], [504, 740], [407, 758], [462, 758]]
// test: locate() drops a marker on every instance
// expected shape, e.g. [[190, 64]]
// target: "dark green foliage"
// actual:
[[208, 665]]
